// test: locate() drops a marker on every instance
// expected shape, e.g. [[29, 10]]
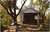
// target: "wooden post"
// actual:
[[22, 17], [49, 22], [38, 20]]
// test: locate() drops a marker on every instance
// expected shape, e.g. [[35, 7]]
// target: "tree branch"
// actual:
[[14, 7], [21, 8], [10, 7], [6, 9]]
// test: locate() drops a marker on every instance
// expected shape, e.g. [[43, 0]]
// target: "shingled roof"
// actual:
[[30, 10]]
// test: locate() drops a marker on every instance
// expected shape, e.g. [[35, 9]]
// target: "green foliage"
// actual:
[[5, 18], [5, 3], [43, 6]]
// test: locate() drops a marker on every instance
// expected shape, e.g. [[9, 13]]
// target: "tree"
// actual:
[[8, 6], [42, 7], [4, 17]]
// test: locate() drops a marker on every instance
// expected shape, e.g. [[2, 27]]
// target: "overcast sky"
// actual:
[[48, 0]]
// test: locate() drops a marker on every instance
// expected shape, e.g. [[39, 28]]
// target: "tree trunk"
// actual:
[[15, 20], [43, 19], [15, 23]]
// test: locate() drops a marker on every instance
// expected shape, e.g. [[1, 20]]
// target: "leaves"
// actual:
[[5, 18], [42, 7]]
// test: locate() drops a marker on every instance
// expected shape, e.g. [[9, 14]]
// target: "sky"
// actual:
[[48, 0], [20, 2]]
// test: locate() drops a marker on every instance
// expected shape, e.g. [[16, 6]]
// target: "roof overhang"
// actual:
[[30, 10]]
